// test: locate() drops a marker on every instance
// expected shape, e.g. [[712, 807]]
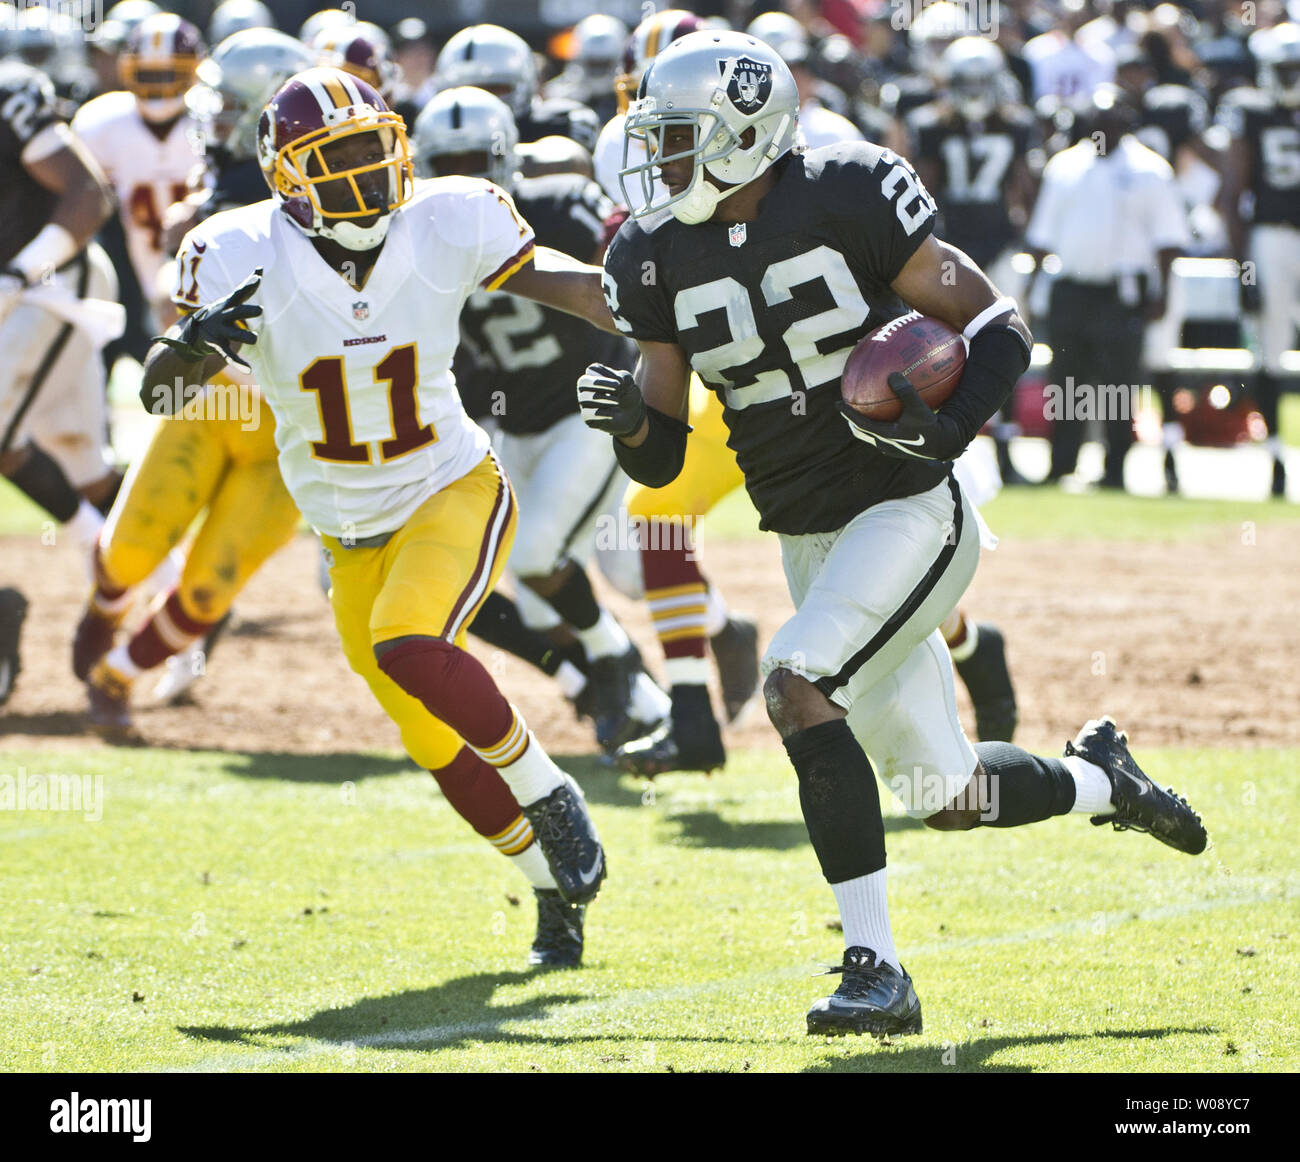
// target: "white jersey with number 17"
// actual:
[[368, 420]]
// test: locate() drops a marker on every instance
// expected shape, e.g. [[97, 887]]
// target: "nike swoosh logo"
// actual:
[[899, 440], [199, 247], [589, 877]]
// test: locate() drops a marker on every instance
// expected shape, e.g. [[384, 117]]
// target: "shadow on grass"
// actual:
[[708, 829], [972, 1056], [452, 1014], [351, 767]]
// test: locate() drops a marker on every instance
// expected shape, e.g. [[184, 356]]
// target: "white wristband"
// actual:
[[986, 316], [45, 253]]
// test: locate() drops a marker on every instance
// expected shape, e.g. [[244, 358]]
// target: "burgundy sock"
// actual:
[[478, 793], [169, 631]]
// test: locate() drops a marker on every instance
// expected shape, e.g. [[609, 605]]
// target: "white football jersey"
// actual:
[[368, 421], [147, 175]]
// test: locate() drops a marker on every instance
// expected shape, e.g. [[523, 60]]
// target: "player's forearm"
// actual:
[[170, 380], [999, 356], [556, 280]]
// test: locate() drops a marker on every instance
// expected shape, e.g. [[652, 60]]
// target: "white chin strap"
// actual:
[[699, 202], [353, 237]]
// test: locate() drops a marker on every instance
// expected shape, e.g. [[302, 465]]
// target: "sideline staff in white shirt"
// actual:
[[1109, 209]]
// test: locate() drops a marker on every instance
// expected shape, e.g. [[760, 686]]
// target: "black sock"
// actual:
[[840, 800], [575, 602], [43, 480], [1022, 787], [498, 623]]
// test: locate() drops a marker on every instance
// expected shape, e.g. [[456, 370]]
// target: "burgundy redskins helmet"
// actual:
[[647, 41], [158, 63], [364, 50], [324, 196]]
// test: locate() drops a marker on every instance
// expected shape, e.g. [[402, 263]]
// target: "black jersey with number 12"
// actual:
[[767, 312]]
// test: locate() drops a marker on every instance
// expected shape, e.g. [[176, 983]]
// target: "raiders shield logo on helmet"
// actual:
[[750, 84]]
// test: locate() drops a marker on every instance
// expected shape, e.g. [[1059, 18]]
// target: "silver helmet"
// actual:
[[237, 80], [492, 58], [1277, 51], [971, 70], [466, 131], [232, 16], [727, 87]]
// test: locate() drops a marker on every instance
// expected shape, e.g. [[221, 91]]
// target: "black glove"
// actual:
[[214, 328], [918, 434], [610, 401]]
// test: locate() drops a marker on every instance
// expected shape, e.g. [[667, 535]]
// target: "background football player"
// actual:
[[359, 279], [145, 141], [877, 539], [525, 359], [53, 197], [1263, 161], [217, 459]]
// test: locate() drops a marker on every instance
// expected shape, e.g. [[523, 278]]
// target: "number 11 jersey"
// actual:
[[767, 312], [368, 420]]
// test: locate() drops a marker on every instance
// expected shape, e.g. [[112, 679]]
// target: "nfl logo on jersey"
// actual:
[[737, 234], [360, 311]]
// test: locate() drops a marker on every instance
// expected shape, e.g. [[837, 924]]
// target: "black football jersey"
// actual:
[[1172, 115], [27, 105], [767, 312], [522, 360], [1272, 133], [560, 116], [974, 163]]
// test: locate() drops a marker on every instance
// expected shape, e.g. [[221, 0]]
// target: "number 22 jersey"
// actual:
[[368, 420], [767, 312]]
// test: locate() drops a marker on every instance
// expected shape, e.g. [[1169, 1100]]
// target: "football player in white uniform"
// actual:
[[146, 142], [359, 276]]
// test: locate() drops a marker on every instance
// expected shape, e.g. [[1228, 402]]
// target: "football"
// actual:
[[929, 352]]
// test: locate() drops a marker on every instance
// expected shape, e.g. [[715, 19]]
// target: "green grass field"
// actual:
[[266, 912]]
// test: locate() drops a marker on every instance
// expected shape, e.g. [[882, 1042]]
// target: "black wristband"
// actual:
[[997, 359], [658, 460]]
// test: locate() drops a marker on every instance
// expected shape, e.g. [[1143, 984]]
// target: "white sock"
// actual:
[[532, 775], [1091, 787], [1171, 434], [604, 639], [864, 912], [84, 526], [687, 671], [1273, 444], [571, 680], [649, 703], [716, 617], [118, 659], [532, 863], [962, 652]]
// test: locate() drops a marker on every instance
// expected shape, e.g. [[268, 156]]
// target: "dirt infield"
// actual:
[[1187, 644]]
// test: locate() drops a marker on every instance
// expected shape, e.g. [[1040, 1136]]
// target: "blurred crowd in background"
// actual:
[[980, 96]]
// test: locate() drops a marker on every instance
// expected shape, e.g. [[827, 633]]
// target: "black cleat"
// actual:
[[1140, 805], [1279, 479], [568, 840], [735, 650], [692, 742], [989, 682], [607, 698], [872, 998], [13, 609], [559, 931]]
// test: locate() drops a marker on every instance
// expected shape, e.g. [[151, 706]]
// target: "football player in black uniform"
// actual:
[[53, 197], [973, 148], [523, 362], [1263, 160], [761, 267]]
